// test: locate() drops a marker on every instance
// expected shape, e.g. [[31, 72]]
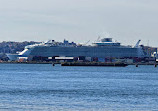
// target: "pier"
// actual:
[[105, 64], [93, 64]]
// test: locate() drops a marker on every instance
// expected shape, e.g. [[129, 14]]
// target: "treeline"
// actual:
[[13, 47]]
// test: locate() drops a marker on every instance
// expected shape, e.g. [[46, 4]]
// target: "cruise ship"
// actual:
[[105, 48]]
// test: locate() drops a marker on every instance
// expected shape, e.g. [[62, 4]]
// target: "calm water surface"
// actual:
[[26, 87]]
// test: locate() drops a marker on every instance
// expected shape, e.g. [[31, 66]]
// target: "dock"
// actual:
[[94, 64], [105, 64]]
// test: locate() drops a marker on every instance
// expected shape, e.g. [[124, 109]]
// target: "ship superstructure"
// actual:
[[105, 48]]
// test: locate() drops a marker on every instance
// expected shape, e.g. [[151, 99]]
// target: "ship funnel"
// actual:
[[137, 44]]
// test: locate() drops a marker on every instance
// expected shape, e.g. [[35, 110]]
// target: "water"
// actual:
[[26, 87]]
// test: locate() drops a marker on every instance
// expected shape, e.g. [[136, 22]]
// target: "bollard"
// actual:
[[136, 65]]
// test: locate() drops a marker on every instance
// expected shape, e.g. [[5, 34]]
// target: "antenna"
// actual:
[[148, 43]]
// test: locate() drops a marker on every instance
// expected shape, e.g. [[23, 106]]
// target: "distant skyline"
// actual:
[[126, 21]]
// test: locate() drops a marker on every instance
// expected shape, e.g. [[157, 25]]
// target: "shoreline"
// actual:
[[33, 62]]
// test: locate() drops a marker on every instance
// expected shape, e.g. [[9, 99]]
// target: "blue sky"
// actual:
[[79, 20]]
